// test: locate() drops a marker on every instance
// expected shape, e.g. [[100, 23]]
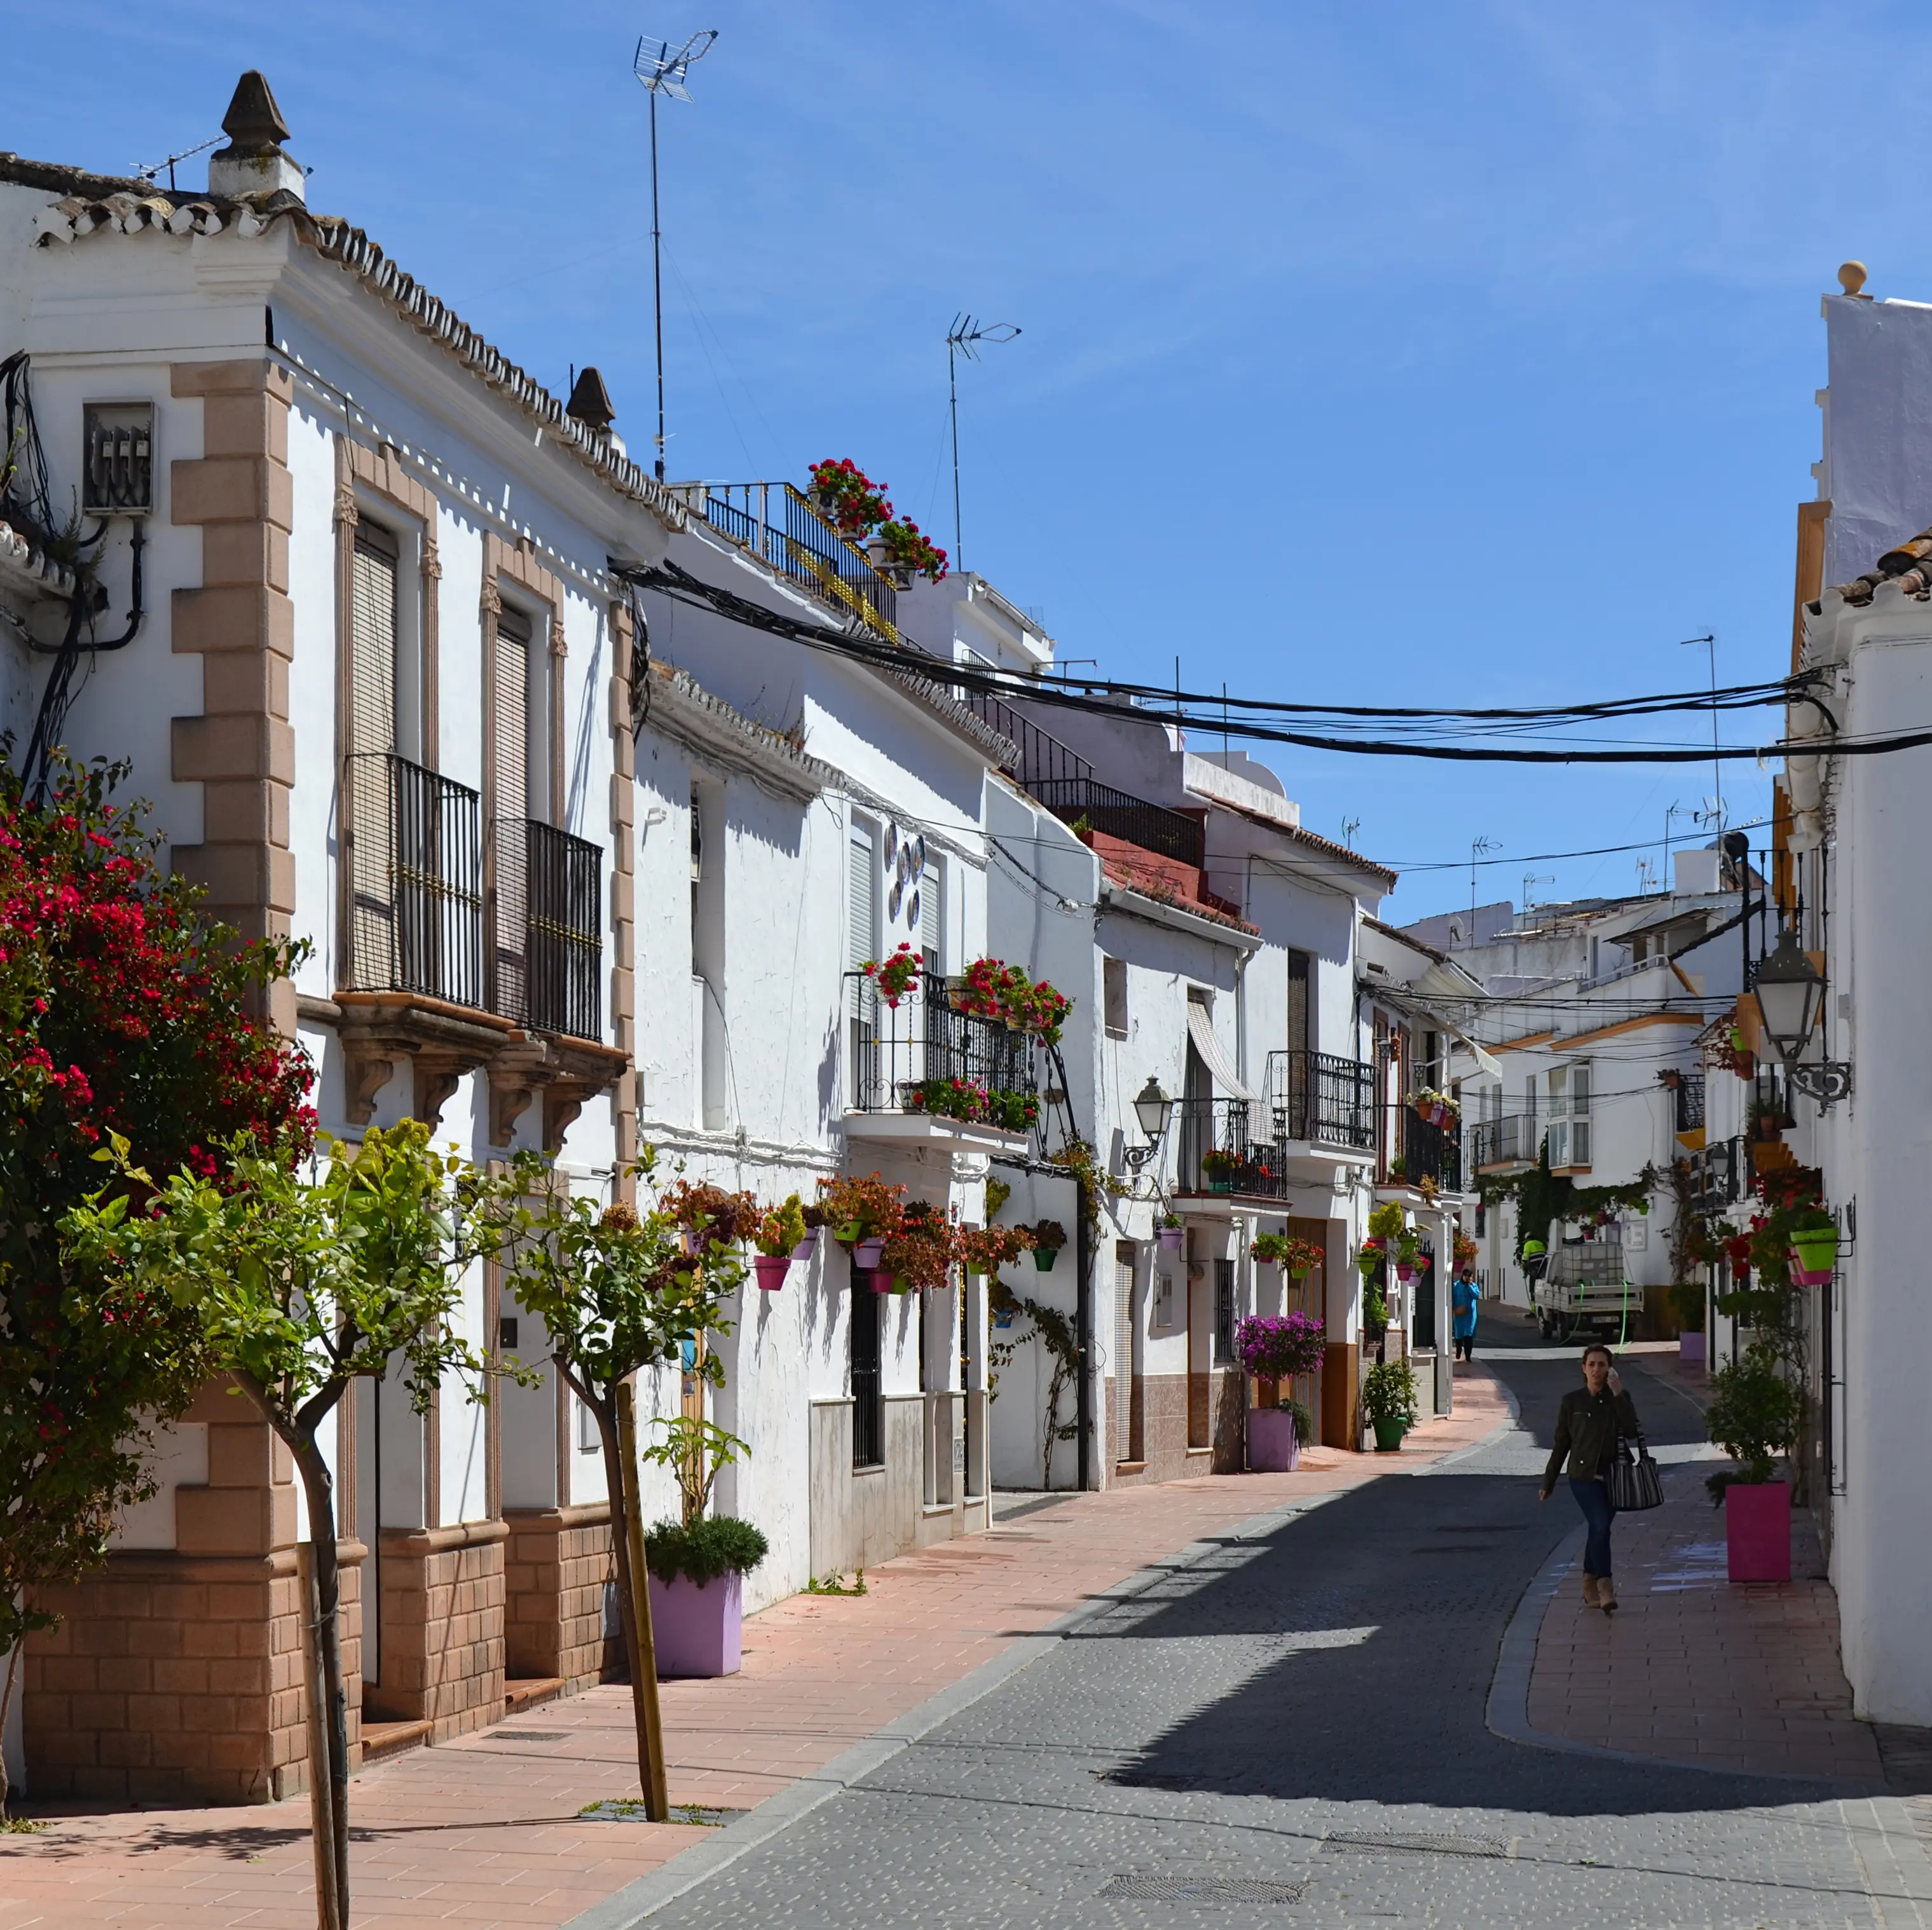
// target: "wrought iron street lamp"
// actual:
[[1153, 1108], [1790, 994]]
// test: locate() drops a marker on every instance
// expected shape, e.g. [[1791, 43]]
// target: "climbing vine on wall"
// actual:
[[1541, 1196]]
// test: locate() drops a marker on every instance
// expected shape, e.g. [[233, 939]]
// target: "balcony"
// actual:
[[1427, 1152], [780, 527], [1216, 1154], [1507, 1144], [924, 1071], [419, 985], [546, 963], [415, 881], [1720, 1175], [1322, 1098]]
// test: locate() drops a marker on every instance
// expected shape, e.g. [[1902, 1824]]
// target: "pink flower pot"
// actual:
[[772, 1269], [1757, 1530], [697, 1631], [1403, 1270], [1690, 1350], [1272, 1447], [877, 1279], [1804, 1276], [868, 1253]]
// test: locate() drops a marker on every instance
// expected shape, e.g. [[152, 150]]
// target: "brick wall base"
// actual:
[[177, 1679], [558, 1560], [442, 1609], [1165, 1399]]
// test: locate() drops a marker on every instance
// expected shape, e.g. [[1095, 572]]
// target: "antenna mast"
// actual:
[[662, 70], [960, 340]]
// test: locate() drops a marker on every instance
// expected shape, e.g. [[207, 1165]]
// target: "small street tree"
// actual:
[[299, 1285], [617, 1292], [120, 1012]]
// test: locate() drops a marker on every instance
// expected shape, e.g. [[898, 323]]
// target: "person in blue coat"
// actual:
[[1463, 1299]]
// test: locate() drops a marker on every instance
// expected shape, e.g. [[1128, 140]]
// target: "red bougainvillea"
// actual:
[[120, 1011]]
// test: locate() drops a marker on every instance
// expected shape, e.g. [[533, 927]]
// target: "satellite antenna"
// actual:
[[961, 339], [663, 69]]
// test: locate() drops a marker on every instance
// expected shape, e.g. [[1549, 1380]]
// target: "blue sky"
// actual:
[[1448, 353]]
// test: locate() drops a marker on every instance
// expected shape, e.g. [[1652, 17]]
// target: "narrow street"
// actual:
[[1297, 1724]]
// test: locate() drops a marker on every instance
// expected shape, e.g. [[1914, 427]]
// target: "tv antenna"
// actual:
[[1477, 846], [1531, 880], [1717, 763], [1676, 811], [148, 170], [1646, 876], [1350, 826], [663, 70], [962, 338]]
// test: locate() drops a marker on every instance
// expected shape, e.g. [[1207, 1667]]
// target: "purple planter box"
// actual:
[[696, 1630], [1757, 1531], [1272, 1447], [1690, 1350]]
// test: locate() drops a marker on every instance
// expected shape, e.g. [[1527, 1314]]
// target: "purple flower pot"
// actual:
[[1757, 1530], [1272, 1446], [1690, 1349], [696, 1630], [772, 1269], [1171, 1238], [868, 1253]]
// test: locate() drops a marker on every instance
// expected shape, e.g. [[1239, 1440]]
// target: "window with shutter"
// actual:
[[932, 913], [372, 672], [861, 914], [374, 941], [510, 809]]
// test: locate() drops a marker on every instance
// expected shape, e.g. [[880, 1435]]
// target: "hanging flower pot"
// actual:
[[772, 1269], [1043, 1258], [877, 1280], [1403, 1270], [1172, 1238], [806, 1248], [1816, 1249], [1805, 1274], [868, 1253]]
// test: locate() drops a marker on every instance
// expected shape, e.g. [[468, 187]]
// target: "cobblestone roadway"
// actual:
[[1293, 1732]]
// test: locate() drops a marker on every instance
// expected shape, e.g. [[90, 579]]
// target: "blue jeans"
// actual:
[[1593, 1497]]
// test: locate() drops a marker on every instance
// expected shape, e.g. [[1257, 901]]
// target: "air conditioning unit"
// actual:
[[118, 473]]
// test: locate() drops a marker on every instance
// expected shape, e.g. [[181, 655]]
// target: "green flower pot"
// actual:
[[1389, 1431], [1043, 1258]]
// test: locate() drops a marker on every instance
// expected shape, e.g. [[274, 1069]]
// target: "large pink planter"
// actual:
[[772, 1269], [1757, 1530], [1272, 1447], [696, 1630]]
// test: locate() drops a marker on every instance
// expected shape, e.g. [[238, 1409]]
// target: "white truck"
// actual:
[[1584, 1286]]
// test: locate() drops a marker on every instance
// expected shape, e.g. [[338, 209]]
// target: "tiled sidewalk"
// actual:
[[1693, 1669], [487, 1831]]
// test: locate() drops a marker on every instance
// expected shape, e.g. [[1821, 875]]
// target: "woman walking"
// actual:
[[1463, 1297], [1589, 1425]]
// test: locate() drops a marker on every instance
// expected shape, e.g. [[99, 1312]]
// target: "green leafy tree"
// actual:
[[121, 1010], [298, 1286], [617, 1291]]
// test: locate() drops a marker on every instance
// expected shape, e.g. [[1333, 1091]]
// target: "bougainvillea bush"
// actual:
[[1272, 1346], [121, 1011]]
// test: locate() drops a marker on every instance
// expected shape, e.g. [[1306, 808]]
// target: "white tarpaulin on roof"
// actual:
[[1200, 1030]]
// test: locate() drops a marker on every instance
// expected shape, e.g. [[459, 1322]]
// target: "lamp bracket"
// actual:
[[1827, 1081]]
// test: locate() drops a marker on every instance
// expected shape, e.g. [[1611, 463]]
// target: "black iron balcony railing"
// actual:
[[1168, 834], [1511, 1140], [779, 525], [1720, 1175], [1426, 1151], [925, 1056], [1323, 1097], [1689, 1101], [547, 955], [1216, 1153], [415, 881]]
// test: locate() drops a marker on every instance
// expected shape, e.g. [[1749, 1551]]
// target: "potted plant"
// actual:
[[1272, 1348], [1407, 1248], [987, 1249], [896, 977], [908, 553], [920, 1254], [862, 1212], [1048, 1237], [1220, 1167], [1173, 1236], [1388, 1401], [697, 1565], [780, 1231], [1814, 1246], [814, 1216], [1296, 1257], [1754, 1416], [1687, 1299], [847, 498], [708, 1216], [1466, 1251]]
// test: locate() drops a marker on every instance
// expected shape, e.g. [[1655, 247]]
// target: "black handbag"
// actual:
[[1634, 1482]]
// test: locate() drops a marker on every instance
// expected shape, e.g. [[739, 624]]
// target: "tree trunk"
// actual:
[[320, 1490], [633, 1604]]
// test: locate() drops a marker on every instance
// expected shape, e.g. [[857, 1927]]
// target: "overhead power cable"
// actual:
[[669, 580]]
